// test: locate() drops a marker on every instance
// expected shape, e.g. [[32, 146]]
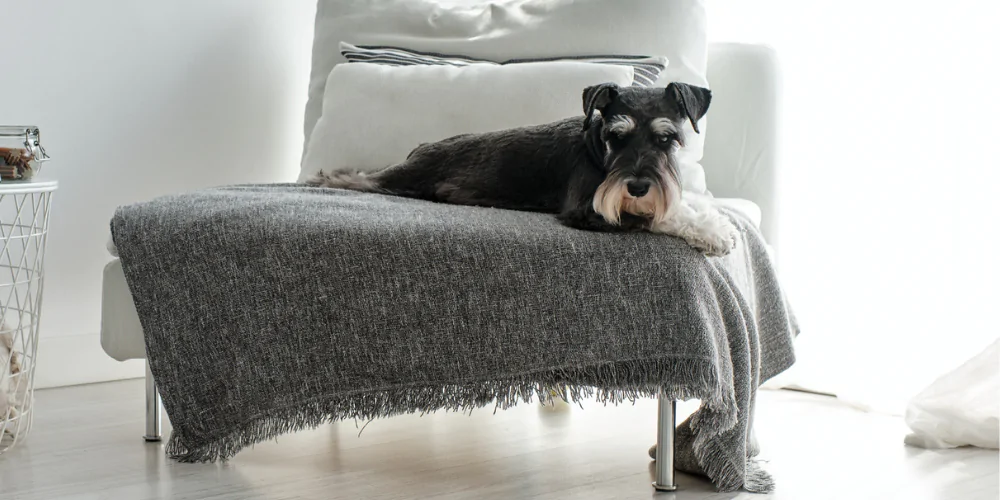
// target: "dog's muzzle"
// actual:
[[638, 188]]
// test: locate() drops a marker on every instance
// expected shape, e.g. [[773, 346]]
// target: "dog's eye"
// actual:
[[667, 139], [616, 141]]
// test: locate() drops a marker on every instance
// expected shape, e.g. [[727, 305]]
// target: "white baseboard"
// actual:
[[79, 359]]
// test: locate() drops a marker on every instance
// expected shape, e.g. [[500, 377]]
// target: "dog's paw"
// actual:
[[703, 228], [716, 238]]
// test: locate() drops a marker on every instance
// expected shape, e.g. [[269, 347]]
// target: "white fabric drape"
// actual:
[[962, 408]]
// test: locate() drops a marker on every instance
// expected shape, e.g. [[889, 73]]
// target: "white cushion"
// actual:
[[502, 30], [745, 207], [121, 331], [741, 151], [374, 115]]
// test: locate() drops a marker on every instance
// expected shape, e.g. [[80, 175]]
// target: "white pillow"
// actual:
[[374, 115], [501, 30], [647, 68]]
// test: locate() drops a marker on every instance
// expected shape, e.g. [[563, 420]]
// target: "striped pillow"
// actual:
[[647, 68]]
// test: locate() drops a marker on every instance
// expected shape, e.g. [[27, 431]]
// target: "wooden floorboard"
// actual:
[[86, 444]]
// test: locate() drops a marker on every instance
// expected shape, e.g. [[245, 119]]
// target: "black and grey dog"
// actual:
[[612, 169]]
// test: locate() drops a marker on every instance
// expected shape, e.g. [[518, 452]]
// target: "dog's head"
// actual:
[[638, 132]]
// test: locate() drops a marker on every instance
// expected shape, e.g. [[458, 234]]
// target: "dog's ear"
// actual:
[[597, 97], [691, 100]]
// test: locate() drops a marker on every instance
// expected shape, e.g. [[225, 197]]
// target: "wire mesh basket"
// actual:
[[24, 215]]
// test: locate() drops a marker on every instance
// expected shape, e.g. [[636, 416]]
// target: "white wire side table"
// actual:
[[24, 221]]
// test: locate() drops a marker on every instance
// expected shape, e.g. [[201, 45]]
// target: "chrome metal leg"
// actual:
[[666, 425], [152, 408]]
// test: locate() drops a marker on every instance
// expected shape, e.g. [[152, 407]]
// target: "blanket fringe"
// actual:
[[717, 463], [758, 480], [613, 383]]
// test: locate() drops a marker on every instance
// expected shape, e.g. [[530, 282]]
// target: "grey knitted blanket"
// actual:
[[271, 308]]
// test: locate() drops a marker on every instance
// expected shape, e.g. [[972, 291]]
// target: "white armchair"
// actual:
[[740, 165]]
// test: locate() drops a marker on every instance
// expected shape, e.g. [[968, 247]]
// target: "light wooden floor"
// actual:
[[86, 445]]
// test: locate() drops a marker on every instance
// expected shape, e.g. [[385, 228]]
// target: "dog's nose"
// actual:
[[638, 188]]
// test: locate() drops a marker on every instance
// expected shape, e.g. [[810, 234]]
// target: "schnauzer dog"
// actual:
[[612, 169]]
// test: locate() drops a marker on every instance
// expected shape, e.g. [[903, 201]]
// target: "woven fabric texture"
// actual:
[[271, 308]]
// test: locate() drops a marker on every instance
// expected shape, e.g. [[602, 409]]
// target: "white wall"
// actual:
[[890, 184], [139, 99]]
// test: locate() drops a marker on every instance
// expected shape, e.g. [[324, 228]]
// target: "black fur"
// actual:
[[597, 98], [556, 167], [694, 101]]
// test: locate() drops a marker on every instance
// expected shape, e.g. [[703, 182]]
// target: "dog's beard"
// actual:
[[612, 198]]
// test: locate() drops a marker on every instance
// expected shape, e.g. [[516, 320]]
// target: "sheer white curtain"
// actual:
[[891, 166]]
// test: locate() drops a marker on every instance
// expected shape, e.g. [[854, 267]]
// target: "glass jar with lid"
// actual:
[[21, 152]]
